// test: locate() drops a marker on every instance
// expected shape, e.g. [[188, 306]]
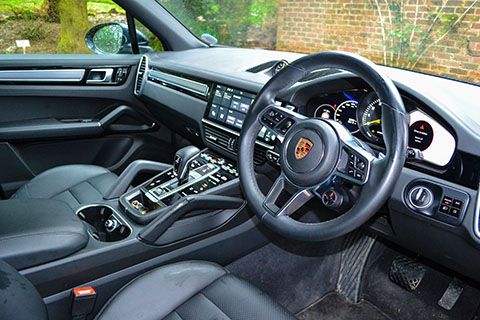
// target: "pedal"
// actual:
[[406, 273], [452, 294]]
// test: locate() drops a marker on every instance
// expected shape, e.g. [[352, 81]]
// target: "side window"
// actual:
[[68, 27], [154, 42]]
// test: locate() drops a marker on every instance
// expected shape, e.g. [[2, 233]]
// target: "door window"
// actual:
[[69, 27]]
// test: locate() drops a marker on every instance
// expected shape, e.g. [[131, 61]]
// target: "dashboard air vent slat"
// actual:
[[229, 142], [221, 139], [142, 68]]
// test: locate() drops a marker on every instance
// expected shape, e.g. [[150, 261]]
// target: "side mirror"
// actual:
[[209, 39], [114, 38]]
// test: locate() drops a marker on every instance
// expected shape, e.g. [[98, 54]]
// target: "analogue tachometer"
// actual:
[[370, 117], [346, 114]]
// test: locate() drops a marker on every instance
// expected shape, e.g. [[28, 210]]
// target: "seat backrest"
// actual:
[[18, 297]]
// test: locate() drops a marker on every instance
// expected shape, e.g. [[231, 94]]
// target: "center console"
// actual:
[[207, 171]]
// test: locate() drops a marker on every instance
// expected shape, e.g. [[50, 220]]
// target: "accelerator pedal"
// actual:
[[406, 273]]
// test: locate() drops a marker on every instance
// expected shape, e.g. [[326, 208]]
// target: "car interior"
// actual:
[[214, 182]]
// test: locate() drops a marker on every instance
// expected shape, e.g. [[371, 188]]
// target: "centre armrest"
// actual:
[[37, 231]]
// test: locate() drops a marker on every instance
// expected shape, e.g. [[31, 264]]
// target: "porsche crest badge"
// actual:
[[303, 148]]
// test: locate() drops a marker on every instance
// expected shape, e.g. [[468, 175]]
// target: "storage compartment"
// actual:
[[104, 224]]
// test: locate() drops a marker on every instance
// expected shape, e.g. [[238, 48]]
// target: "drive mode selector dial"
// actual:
[[420, 197]]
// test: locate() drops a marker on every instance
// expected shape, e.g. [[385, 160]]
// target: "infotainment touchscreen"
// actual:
[[230, 106]]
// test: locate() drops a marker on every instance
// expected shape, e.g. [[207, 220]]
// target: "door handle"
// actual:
[[100, 76]]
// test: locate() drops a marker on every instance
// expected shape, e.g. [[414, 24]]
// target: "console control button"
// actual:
[[444, 209], [457, 204], [454, 212], [447, 201]]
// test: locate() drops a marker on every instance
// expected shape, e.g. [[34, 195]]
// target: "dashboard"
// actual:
[[360, 111], [205, 94]]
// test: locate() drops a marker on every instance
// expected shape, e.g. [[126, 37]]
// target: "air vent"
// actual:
[[221, 139], [142, 69], [259, 154], [229, 142], [279, 67]]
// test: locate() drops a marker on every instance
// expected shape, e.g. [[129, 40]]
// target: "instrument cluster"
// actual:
[[360, 111]]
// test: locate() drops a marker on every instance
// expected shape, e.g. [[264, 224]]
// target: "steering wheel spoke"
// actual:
[[299, 197], [355, 161], [279, 120]]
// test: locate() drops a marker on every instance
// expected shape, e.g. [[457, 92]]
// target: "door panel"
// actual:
[[47, 124]]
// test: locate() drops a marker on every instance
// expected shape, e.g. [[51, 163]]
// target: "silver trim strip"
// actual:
[[186, 84], [476, 215], [213, 124], [144, 76], [46, 75]]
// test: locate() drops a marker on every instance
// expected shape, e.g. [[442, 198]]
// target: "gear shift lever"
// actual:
[[181, 163]]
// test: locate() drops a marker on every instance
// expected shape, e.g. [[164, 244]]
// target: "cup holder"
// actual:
[[104, 223]]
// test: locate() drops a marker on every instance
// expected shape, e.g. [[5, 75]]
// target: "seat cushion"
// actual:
[[191, 290], [73, 184], [19, 298]]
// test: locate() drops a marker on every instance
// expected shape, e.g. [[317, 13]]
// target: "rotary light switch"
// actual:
[[420, 197]]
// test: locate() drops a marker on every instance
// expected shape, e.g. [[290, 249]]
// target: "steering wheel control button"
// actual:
[[286, 125], [356, 166], [277, 121], [360, 165], [421, 197]]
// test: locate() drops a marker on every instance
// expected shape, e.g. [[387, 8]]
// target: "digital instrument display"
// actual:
[[230, 106]]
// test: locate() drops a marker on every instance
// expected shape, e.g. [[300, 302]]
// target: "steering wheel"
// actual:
[[318, 155]]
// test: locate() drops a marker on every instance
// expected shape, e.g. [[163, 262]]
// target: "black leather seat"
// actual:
[[73, 184], [184, 290], [191, 290]]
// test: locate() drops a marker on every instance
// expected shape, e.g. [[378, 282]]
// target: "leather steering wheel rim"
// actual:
[[383, 174]]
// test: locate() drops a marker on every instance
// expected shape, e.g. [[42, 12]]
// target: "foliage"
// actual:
[[155, 43], [406, 42], [33, 30], [228, 21]]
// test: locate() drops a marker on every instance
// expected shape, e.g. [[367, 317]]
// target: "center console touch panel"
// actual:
[[207, 171]]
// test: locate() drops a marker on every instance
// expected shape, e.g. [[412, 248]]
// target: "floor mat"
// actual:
[[335, 306], [295, 274]]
